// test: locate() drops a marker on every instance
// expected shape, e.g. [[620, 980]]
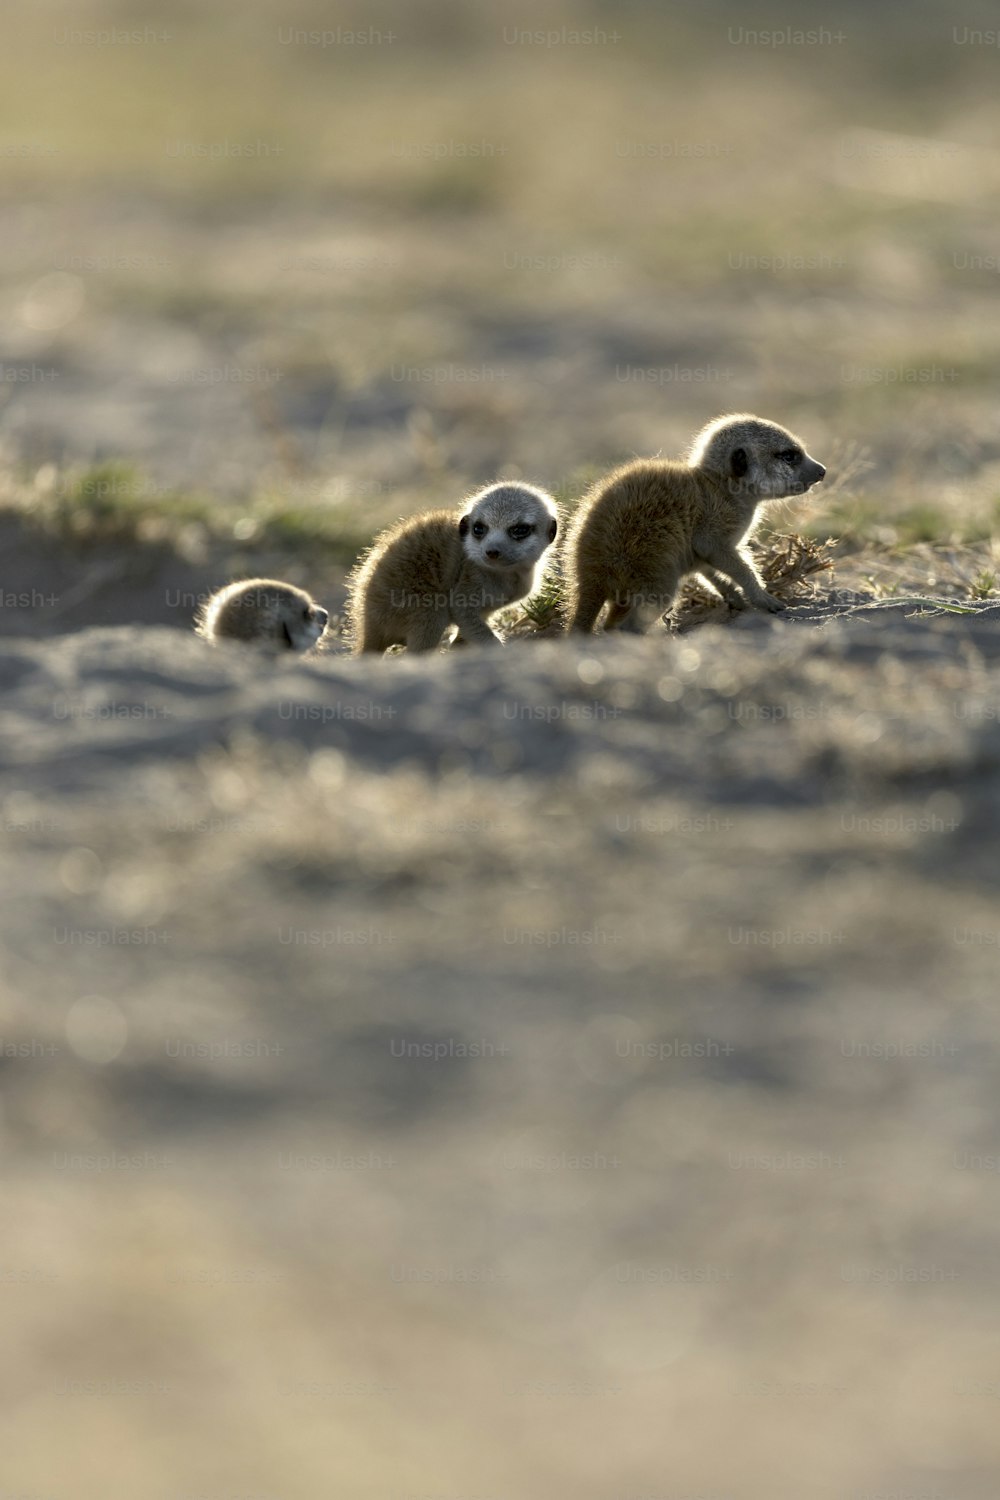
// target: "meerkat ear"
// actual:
[[463, 526], [553, 528], [739, 463]]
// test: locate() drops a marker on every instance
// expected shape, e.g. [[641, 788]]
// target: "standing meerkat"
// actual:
[[263, 612], [451, 568], [642, 528]]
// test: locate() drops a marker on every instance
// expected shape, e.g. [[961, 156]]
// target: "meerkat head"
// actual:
[[508, 525], [299, 622], [264, 612], [755, 457]]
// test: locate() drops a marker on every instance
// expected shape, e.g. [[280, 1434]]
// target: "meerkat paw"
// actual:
[[772, 605]]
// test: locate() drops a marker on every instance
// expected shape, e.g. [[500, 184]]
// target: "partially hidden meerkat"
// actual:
[[263, 612], [643, 527], [451, 568]]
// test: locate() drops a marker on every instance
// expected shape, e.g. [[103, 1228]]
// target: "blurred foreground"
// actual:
[[504, 1075]]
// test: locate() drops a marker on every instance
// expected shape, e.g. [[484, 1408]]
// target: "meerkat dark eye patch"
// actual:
[[479, 529], [518, 532], [790, 456], [739, 463]]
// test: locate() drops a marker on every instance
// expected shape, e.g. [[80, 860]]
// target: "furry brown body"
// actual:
[[450, 568], [643, 527], [263, 612]]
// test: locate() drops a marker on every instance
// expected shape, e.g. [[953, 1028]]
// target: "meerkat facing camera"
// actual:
[[446, 568], [263, 612], [643, 527]]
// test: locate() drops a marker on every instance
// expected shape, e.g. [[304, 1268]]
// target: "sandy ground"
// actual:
[[569, 1070]]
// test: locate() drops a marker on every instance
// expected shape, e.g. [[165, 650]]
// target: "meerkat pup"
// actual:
[[451, 568], [642, 528], [263, 612]]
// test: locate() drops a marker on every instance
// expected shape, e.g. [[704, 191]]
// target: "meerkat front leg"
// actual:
[[722, 585], [473, 630], [424, 631], [725, 558]]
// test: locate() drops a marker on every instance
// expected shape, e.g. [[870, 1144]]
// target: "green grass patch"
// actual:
[[116, 503]]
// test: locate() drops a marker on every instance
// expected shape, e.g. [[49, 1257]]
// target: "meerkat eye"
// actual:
[[479, 528], [790, 456], [520, 531]]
